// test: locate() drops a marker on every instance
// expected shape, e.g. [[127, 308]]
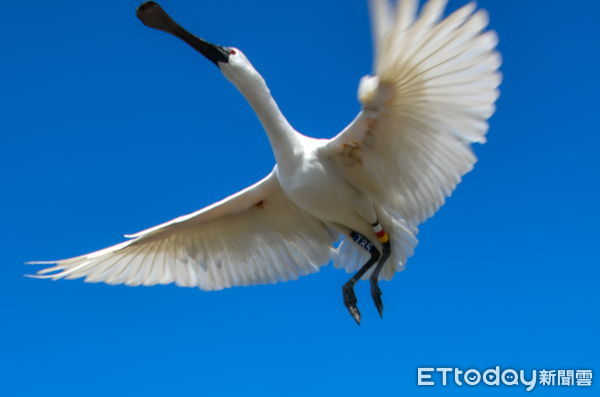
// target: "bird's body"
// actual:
[[317, 188], [433, 89]]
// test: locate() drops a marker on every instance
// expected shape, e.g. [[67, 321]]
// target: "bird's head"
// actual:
[[231, 61]]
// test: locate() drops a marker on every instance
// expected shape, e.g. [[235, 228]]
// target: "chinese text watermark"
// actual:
[[497, 376]]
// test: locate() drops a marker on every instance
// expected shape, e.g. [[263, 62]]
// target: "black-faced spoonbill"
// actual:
[[433, 88]]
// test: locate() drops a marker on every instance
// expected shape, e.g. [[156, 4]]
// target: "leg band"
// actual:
[[362, 241], [381, 234]]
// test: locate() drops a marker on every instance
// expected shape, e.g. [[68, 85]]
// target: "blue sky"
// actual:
[[109, 127]]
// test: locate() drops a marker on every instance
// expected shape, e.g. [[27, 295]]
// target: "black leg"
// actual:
[[375, 291], [348, 288]]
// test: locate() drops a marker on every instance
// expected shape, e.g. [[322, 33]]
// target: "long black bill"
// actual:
[[151, 14]]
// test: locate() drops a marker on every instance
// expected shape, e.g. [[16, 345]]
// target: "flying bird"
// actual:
[[356, 199]]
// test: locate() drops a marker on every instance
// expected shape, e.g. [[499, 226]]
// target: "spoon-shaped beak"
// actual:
[[152, 15]]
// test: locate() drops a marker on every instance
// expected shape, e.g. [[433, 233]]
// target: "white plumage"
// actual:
[[433, 88], [274, 241]]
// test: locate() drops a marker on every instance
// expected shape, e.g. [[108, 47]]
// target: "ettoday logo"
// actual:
[[497, 376]]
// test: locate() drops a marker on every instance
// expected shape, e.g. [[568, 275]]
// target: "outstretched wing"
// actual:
[[434, 87], [255, 236]]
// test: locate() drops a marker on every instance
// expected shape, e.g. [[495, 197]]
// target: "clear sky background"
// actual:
[[108, 127]]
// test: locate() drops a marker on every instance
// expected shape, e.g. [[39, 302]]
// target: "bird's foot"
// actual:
[[350, 301], [376, 295]]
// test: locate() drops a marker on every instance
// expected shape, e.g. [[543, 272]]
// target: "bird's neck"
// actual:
[[284, 139]]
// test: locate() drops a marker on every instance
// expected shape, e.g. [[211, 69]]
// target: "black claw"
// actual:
[[376, 294], [350, 301]]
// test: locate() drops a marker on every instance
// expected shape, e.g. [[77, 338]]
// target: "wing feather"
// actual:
[[255, 236], [434, 87]]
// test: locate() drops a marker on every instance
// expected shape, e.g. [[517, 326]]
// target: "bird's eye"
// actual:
[[232, 52]]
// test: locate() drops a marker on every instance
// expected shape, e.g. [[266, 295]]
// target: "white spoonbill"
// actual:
[[432, 90]]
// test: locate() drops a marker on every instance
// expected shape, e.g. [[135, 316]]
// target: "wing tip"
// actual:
[[38, 276], [41, 262], [41, 276]]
